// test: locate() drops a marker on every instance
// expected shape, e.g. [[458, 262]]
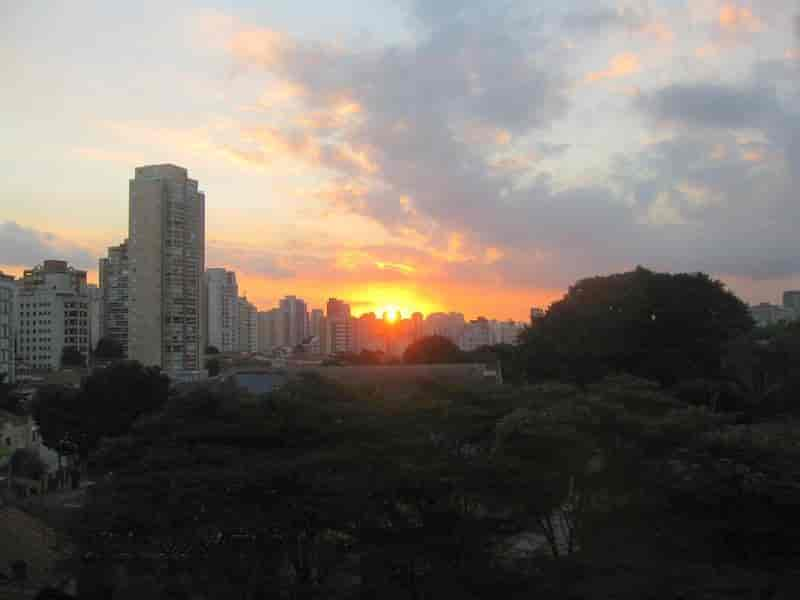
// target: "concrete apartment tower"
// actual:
[[8, 290], [166, 252], [248, 326], [115, 285], [222, 308]]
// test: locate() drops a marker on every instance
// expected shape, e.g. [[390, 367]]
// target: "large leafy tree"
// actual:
[[434, 349], [660, 326], [108, 348], [108, 402], [72, 357]]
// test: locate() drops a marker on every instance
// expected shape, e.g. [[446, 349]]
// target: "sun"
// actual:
[[392, 312]]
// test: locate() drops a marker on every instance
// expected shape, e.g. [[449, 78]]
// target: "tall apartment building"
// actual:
[[222, 309], [316, 322], [166, 250], [8, 290], [95, 315], [115, 284], [295, 317], [248, 326], [340, 335], [52, 314]]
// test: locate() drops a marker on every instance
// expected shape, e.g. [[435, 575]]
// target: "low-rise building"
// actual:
[[766, 314], [52, 311]]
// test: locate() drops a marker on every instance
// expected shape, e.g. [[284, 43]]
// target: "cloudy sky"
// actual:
[[429, 154]]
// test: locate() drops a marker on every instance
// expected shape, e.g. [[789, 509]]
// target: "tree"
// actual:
[[435, 349], [108, 348], [214, 366], [212, 350], [654, 325], [107, 404], [26, 463], [72, 357]]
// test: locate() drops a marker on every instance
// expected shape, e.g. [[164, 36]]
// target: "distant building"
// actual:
[[506, 332], [248, 326], [417, 326], [447, 325], [294, 321], [316, 322], [340, 335], [476, 334], [222, 310], [95, 315], [791, 301], [166, 250], [115, 285], [765, 314], [52, 314], [8, 291]]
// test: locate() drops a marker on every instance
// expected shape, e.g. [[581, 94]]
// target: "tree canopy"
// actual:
[[660, 326], [108, 402], [108, 348], [72, 357], [433, 349]]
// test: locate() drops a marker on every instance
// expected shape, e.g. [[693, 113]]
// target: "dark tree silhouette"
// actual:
[[108, 348], [72, 357], [654, 325], [432, 350], [107, 404], [212, 350]]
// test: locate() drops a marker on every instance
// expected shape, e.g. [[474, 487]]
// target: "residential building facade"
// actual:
[[52, 314], [222, 310], [8, 292], [166, 249], [295, 321], [114, 274], [248, 326]]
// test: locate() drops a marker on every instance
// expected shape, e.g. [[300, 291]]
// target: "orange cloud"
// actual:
[[707, 51], [734, 18], [621, 65], [659, 31]]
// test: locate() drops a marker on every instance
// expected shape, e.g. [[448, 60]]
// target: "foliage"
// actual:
[[654, 325], [72, 357], [212, 350], [107, 404], [365, 357], [108, 348], [433, 349], [214, 366], [26, 463]]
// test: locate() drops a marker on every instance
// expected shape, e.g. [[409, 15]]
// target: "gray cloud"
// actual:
[[671, 206], [602, 19], [26, 246], [712, 105]]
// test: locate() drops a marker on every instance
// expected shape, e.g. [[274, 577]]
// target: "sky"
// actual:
[[478, 156]]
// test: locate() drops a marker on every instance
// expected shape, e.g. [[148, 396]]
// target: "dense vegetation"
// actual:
[[648, 449]]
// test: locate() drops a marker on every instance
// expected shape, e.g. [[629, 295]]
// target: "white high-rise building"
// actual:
[[295, 317], [52, 314], [166, 249], [115, 284], [8, 290], [222, 309], [248, 326]]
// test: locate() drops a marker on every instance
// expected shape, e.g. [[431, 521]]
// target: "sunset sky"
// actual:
[[426, 154]]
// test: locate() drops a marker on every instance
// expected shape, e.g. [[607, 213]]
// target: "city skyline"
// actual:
[[371, 152]]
